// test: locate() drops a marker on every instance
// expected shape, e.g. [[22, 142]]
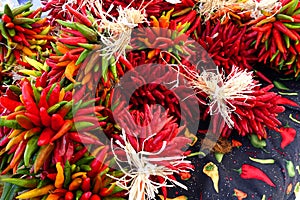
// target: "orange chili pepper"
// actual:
[[75, 184], [59, 180], [70, 70]]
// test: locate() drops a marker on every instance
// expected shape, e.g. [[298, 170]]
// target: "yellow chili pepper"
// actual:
[[59, 180], [70, 69], [79, 174], [211, 170], [36, 192]]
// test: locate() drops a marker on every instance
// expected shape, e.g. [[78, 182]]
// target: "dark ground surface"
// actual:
[[200, 186]]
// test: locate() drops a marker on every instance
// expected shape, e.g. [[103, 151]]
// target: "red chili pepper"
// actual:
[[73, 40], [52, 176], [63, 130], [251, 172], [57, 122], [35, 119], [288, 135], [86, 196], [78, 155], [278, 40], [43, 99], [5, 18], [35, 13], [18, 153], [124, 61], [45, 136], [86, 184], [285, 101], [54, 97], [45, 118], [282, 28], [79, 16], [95, 197], [29, 103], [9, 103], [69, 196], [98, 162], [85, 139]]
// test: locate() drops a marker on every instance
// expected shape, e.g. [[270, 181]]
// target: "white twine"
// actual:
[[136, 179]]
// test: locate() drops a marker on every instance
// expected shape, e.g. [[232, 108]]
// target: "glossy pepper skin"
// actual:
[[251, 172]]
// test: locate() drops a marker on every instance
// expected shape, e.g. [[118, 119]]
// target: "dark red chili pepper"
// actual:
[[29, 103], [288, 135], [251, 172], [78, 155], [46, 136]]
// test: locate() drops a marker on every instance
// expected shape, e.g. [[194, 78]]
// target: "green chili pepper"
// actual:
[[113, 67], [9, 123], [26, 183], [11, 32], [53, 109], [8, 11], [289, 93], [43, 183], [78, 194], [67, 174], [262, 161], [280, 86], [67, 24], [219, 157], [36, 94], [77, 126], [290, 168], [85, 168], [89, 33], [287, 41], [9, 191], [275, 55], [3, 31], [257, 143], [85, 160], [30, 149], [290, 116], [82, 56], [22, 8], [87, 103], [104, 68]]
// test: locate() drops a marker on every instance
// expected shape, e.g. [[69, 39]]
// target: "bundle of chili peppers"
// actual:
[[66, 132]]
